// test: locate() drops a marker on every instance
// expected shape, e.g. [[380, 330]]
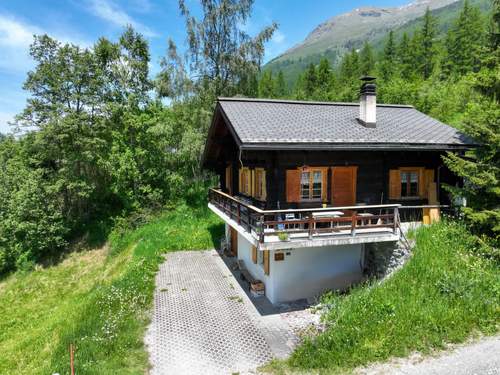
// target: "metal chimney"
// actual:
[[368, 102]]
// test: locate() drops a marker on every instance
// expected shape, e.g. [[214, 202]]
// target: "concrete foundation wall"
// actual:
[[305, 272], [308, 272]]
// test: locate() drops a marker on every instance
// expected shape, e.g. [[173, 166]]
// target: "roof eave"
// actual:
[[218, 110], [356, 146]]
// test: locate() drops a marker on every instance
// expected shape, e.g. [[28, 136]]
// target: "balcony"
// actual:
[[284, 229]]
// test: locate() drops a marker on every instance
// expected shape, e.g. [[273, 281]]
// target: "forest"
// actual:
[[99, 139]]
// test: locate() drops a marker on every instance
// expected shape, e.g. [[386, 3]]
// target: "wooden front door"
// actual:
[[234, 242], [344, 186]]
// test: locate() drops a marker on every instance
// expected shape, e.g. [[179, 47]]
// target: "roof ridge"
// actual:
[[287, 101]]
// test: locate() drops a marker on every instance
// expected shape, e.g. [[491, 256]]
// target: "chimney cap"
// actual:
[[367, 78]]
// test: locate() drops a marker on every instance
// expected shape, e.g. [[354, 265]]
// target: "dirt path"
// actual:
[[479, 358]]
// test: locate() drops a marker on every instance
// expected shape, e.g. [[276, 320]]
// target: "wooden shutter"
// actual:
[[254, 179], [260, 184], [324, 184], [254, 254], [264, 185], [428, 179], [344, 186], [293, 185], [394, 184], [422, 187], [266, 262], [234, 242]]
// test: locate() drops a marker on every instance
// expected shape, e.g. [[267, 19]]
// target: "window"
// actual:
[[409, 183], [311, 184]]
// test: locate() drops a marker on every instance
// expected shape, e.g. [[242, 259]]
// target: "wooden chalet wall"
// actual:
[[372, 173]]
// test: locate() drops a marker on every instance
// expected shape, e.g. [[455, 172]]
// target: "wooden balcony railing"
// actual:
[[279, 225]]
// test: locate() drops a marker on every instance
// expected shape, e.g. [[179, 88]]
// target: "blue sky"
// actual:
[[84, 21]]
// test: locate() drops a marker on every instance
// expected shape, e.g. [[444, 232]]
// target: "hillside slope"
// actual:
[[339, 34]]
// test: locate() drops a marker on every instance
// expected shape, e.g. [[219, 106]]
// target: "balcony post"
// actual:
[[396, 220], [261, 226], [311, 224]]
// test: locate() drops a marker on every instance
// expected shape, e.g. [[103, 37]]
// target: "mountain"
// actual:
[[339, 34]]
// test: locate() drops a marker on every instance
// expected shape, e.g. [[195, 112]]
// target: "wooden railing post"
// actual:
[[353, 224], [396, 220], [311, 225], [261, 226]]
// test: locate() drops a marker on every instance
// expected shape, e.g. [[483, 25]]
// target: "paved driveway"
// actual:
[[204, 323]]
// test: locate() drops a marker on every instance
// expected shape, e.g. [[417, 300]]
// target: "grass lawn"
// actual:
[[447, 292], [97, 300]]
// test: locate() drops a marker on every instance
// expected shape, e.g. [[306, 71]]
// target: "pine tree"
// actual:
[[266, 85], [428, 47], [387, 65], [325, 80], [480, 168], [367, 58], [349, 77], [310, 81], [280, 85], [405, 57], [464, 42]]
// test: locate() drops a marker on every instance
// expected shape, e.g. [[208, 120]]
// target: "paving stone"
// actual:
[[204, 323]]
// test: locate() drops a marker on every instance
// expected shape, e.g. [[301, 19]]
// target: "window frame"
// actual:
[[408, 171], [311, 171]]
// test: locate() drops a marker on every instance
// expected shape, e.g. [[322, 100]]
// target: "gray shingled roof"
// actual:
[[287, 123]]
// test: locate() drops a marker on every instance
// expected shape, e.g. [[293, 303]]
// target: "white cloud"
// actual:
[[5, 118], [278, 37], [15, 39], [16, 34], [109, 11]]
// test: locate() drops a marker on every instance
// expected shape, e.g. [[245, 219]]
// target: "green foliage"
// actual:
[[447, 291], [481, 167], [388, 60], [220, 54], [31, 223], [267, 87], [97, 300], [465, 42], [367, 58]]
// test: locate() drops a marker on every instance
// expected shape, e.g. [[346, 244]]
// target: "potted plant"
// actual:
[[283, 236]]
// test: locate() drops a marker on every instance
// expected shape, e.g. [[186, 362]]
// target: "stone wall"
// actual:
[[383, 258]]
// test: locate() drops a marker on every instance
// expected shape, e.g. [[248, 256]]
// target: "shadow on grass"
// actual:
[[217, 234]]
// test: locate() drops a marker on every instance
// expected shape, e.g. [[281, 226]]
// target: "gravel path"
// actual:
[[204, 323], [480, 358]]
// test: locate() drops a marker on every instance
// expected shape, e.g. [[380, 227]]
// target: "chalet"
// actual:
[[306, 187]]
